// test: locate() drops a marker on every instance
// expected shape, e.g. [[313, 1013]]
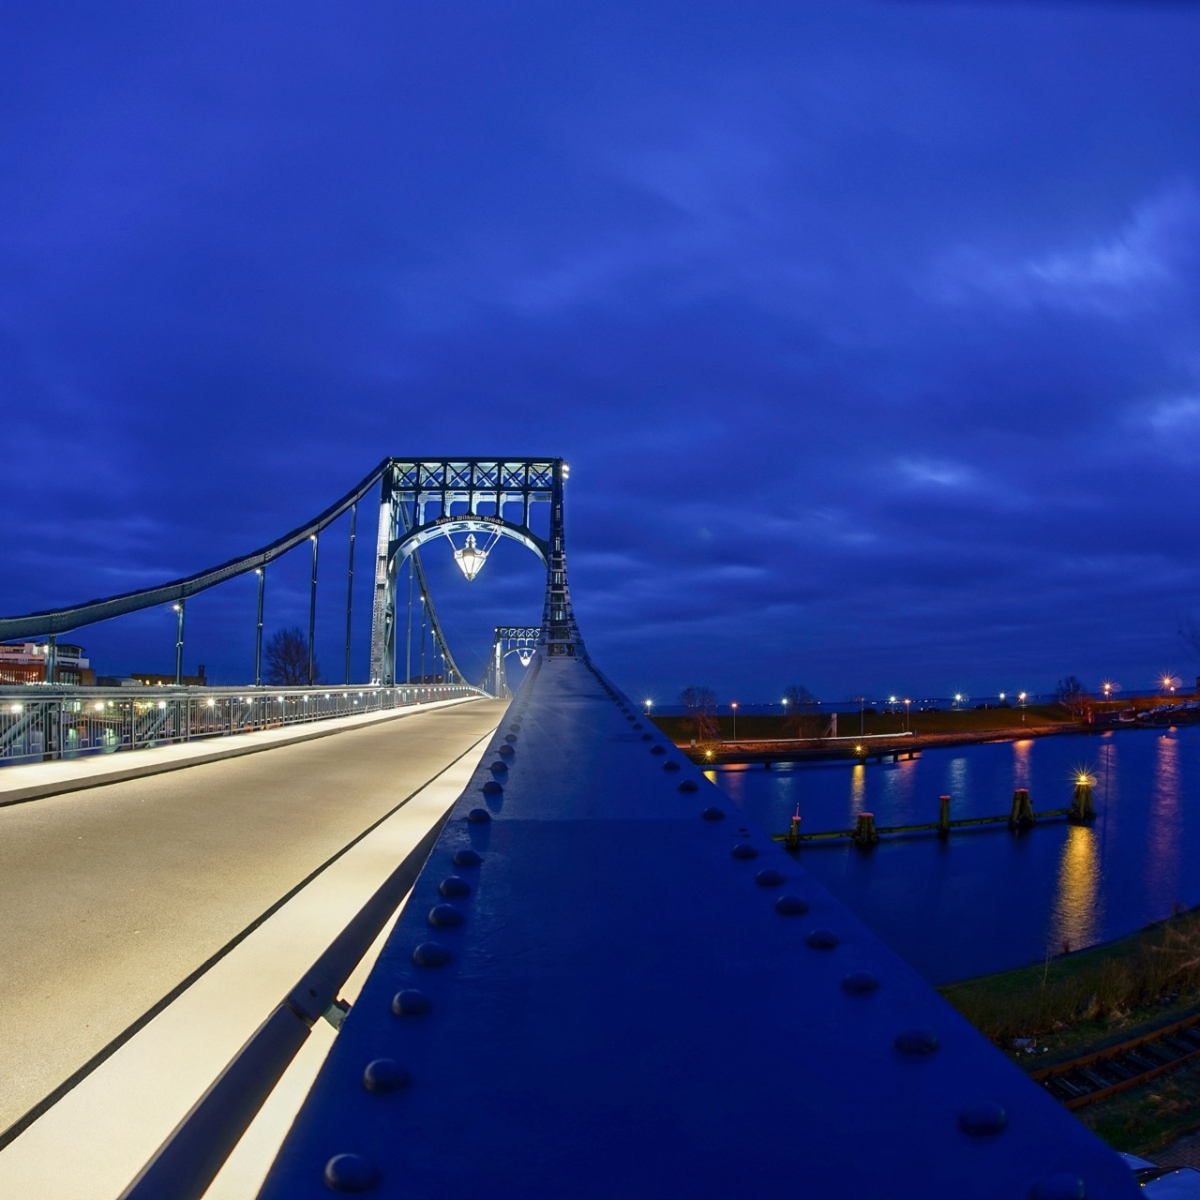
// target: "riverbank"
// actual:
[[767, 738], [771, 739], [1087, 1002]]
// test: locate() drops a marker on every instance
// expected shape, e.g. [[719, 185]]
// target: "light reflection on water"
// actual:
[[1162, 844], [986, 900], [1075, 919]]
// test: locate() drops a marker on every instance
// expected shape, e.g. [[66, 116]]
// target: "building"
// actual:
[[25, 662], [154, 679]]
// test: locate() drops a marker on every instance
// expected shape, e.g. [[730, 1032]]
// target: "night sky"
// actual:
[[869, 329]]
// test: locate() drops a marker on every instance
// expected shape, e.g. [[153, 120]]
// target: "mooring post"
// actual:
[[943, 816], [791, 840], [1022, 810], [864, 832], [1082, 808]]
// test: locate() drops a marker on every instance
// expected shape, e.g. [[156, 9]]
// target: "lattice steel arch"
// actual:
[[507, 639], [422, 499]]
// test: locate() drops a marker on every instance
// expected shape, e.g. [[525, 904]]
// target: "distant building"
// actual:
[[153, 679], [25, 662]]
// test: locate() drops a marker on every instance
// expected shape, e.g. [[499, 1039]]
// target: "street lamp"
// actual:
[[1021, 700], [734, 707], [906, 713]]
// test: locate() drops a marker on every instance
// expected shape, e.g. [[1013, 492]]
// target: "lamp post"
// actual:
[[1021, 699], [906, 713], [734, 707]]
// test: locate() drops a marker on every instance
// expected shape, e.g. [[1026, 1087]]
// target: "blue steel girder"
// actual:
[[606, 984]]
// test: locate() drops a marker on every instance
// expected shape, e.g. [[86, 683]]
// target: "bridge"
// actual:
[[437, 942]]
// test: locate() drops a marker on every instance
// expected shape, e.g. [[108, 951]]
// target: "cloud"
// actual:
[[1137, 267], [940, 474]]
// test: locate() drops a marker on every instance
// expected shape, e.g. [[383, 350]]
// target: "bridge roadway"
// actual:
[[113, 896]]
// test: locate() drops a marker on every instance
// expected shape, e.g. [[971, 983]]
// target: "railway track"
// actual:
[[1103, 1073]]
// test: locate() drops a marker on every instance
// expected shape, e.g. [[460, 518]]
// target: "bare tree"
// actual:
[[287, 658], [799, 703], [701, 704], [1071, 695], [799, 697]]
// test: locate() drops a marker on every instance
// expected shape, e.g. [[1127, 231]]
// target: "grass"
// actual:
[[1145, 1119], [1079, 999], [1082, 1002]]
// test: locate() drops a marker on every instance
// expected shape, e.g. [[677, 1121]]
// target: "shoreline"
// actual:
[[767, 751]]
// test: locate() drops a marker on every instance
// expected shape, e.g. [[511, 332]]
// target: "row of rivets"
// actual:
[[979, 1120], [354, 1172]]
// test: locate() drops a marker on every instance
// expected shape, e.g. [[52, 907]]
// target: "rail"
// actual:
[[41, 724], [1102, 1073]]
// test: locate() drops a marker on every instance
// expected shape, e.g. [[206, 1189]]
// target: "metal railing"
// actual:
[[44, 724]]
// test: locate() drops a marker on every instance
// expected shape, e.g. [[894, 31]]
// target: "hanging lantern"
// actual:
[[470, 557], [526, 656]]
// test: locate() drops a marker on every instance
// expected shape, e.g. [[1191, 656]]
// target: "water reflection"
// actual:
[[982, 901], [899, 783], [858, 789], [1164, 827], [1021, 763], [1076, 917], [957, 773]]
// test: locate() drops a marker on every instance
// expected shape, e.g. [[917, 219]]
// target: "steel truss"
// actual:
[[422, 499], [507, 639]]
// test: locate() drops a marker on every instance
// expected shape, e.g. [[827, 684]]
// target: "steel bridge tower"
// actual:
[[423, 499]]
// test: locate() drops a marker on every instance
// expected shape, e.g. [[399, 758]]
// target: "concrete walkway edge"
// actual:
[[20, 784]]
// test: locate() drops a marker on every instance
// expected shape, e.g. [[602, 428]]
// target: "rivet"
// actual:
[[1063, 1186], [822, 939], [791, 906], [688, 785], [920, 1040], [515, 726], [859, 983], [744, 850], [431, 954], [492, 788], [507, 751], [466, 858], [713, 813], [351, 1173], [510, 738], [769, 877], [983, 1119], [385, 1075], [499, 765], [410, 1003], [670, 765], [647, 737], [637, 724], [658, 750], [479, 816], [452, 885], [445, 916]]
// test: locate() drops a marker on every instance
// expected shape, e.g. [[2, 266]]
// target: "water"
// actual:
[[986, 900]]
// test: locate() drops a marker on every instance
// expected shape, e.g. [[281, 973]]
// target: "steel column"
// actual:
[[258, 627], [312, 612], [350, 587], [179, 608]]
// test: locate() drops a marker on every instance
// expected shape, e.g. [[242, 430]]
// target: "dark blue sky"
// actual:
[[870, 329]]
